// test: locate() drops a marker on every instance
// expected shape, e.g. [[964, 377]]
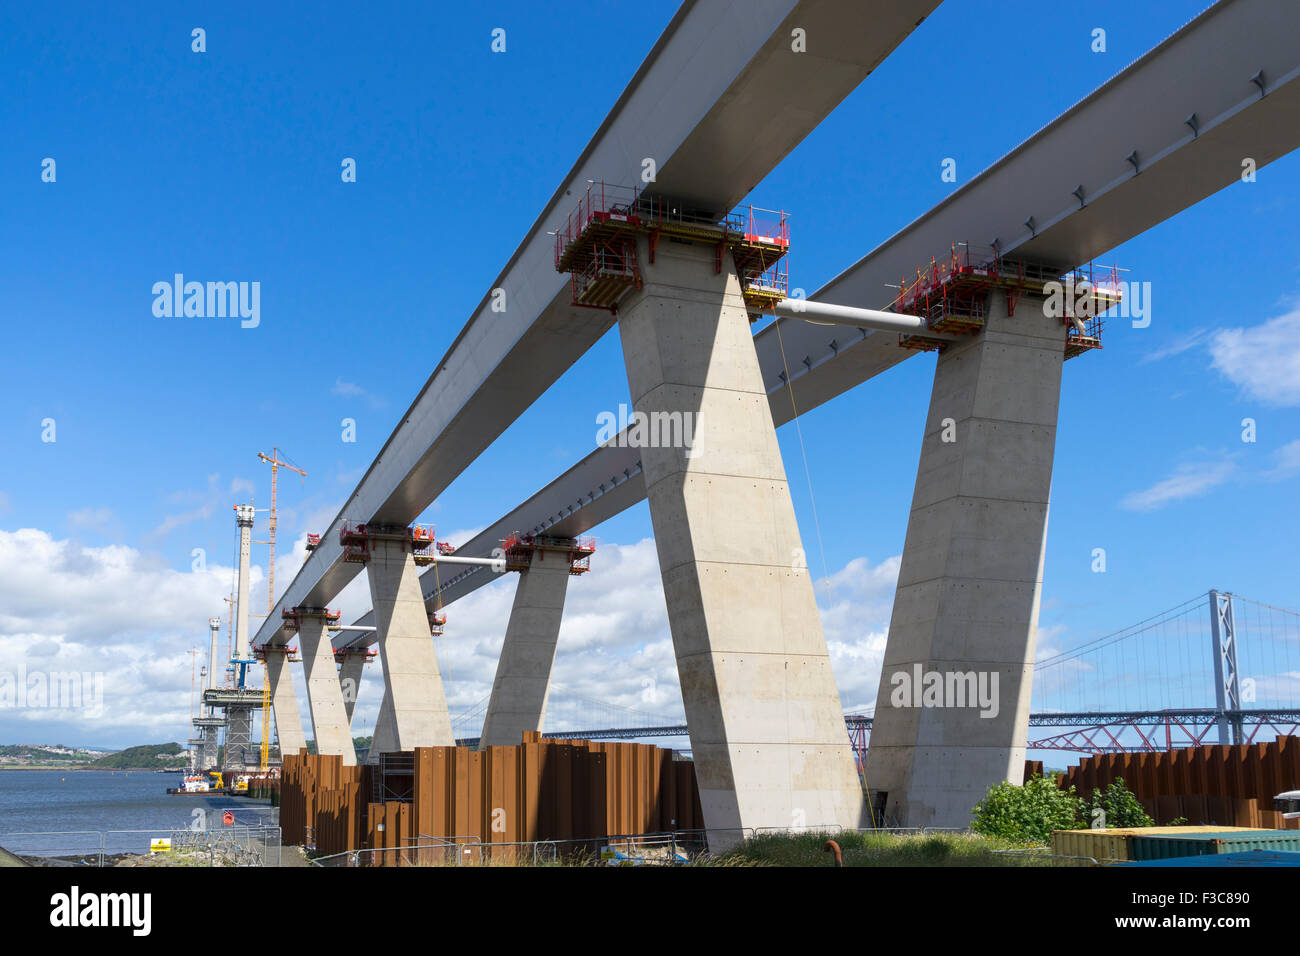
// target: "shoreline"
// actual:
[[82, 767]]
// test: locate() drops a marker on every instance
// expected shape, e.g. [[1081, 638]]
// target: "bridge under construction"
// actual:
[[999, 280]]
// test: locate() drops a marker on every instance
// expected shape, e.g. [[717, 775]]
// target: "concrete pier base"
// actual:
[[414, 683], [523, 678], [350, 680], [329, 717], [384, 739], [969, 585], [284, 704], [766, 725]]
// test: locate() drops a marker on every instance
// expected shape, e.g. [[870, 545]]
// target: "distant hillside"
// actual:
[[145, 757], [46, 755]]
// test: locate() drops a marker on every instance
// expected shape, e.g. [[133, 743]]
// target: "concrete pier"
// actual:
[[284, 704], [523, 677], [414, 683], [966, 607], [384, 739], [329, 717], [766, 725], [354, 661]]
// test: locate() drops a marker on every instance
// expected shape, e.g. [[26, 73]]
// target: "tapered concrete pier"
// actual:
[[284, 703], [969, 585], [353, 661], [414, 683], [523, 677], [329, 717], [766, 725], [384, 739]]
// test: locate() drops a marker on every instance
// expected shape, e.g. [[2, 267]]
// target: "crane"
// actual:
[[274, 460], [193, 658]]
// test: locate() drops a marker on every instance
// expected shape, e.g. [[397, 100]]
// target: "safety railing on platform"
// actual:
[[770, 226]]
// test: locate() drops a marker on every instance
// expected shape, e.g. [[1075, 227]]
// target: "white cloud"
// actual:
[[109, 611], [93, 519], [353, 390], [1287, 461], [118, 612], [207, 502], [1190, 480], [1182, 343], [1263, 360], [346, 389], [614, 660]]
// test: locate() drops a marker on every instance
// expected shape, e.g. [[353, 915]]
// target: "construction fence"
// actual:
[[255, 845], [565, 792], [1230, 785]]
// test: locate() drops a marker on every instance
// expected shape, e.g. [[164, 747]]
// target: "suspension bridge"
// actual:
[[1218, 668]]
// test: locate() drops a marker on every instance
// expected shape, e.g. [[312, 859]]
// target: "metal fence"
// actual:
[[674, 848], [188, 846], [652, 848]]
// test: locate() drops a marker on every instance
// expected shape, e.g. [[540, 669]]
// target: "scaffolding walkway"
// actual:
[[953, 296], [597, 246]]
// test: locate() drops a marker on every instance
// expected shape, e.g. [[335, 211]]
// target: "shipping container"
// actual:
[[1114, 843], [1246, 858], [1168, 846]]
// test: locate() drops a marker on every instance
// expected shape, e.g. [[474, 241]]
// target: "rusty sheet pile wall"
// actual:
[[1228, 785], [322, 801], [539, 790]]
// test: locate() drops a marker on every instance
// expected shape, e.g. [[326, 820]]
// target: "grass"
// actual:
[[857, 849], [877, 849]]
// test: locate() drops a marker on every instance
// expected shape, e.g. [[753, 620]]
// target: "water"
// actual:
[[60, 801]]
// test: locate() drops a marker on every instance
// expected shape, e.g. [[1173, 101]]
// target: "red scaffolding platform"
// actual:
[[419, 539], [261, 650], [596, 245], [519, 550], [291, 616], [953, 296]]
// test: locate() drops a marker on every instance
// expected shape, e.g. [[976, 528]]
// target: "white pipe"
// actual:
[[351, 627], [496, 564], [824, 313]]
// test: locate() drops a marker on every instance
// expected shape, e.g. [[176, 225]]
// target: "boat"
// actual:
[[194, 784]]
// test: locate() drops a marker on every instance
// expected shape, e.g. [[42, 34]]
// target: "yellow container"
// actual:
[[1114, 843]]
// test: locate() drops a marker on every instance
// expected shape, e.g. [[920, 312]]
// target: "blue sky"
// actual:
[[225, 165]]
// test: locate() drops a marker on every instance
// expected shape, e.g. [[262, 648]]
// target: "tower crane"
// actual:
[[276, 464]]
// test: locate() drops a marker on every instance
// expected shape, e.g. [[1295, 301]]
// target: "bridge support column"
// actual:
[[384, 739], [329, 717], [766, 725], [952, 711], [523, 677], [350, 679], [284, 704], [414, 683]]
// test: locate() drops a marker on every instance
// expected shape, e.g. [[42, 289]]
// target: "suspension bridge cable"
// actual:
[[1122, 634]]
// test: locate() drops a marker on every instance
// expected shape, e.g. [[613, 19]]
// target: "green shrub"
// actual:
[[1027, 814], [1115, 806]]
